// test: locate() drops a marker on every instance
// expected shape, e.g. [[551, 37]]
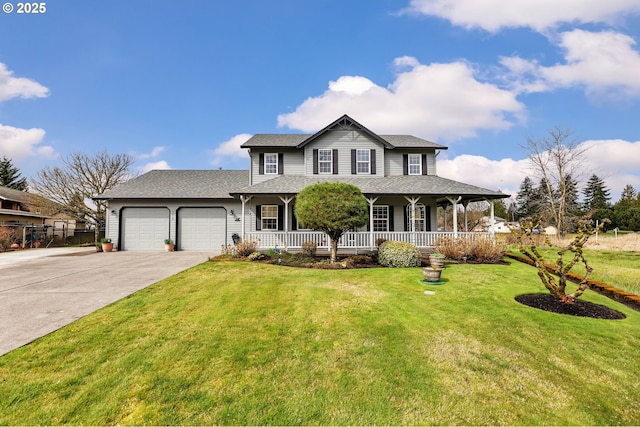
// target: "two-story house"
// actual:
[[202, 210]]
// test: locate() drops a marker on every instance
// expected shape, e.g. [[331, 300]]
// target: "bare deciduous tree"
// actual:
[[556, 159], [81, 178]]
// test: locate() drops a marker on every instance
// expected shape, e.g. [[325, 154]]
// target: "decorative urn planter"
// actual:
[[436, 260], [431, 274]]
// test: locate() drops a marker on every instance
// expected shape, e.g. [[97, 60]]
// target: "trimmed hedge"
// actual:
[[399, 254]]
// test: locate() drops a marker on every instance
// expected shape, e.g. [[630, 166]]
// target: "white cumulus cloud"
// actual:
[[230, 150], [432, 101], [162, 164], [540, 15], [18, 144], [19, 87], [604, 63], [155, 152]]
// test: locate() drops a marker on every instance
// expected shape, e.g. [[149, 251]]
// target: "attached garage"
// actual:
[[201, 229], [144, 229]]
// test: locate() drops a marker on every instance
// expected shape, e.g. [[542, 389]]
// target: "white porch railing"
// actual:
[[357, 240]]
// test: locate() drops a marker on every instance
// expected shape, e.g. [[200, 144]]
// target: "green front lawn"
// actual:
[[620, 269], [246, 343]]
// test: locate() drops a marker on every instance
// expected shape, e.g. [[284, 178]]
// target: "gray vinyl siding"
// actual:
[[393, 161], [293, 162], [344, 142]]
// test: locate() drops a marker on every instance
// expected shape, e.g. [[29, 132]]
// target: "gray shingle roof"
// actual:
[[180, 184], [293, 140], [389, 185]]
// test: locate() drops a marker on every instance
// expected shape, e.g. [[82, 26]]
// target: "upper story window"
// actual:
[[271, 163], [325, 161], [363, 161], [415, 164]]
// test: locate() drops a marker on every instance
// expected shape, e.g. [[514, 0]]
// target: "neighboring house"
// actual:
[[500, 225], [203, 209], [21, 210]]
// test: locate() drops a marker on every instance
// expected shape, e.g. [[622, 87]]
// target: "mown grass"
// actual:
[[620, 269], [245, 343]]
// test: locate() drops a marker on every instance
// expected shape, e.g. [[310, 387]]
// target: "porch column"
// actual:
[[466, 221], [286, 201], [492, 220], [454, 203], [244, 199], [372, 242]]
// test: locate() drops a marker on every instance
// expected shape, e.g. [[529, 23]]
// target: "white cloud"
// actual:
[[493, 15], [505, 175], [162, 164], [230, 149], [433, 101], [155, 152], [13, 87], [615, 161], [604, 63], [18, 144]]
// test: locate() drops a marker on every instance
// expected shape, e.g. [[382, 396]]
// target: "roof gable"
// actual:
[[345, 123]]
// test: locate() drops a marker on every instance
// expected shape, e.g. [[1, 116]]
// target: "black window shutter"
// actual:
[[335, 162], [261, 164], [405, 164], [280, 217], [424, 164], [280, 163], [258, 217], [353, 162], [315, 161], [294, 220], [372, 169], [407, 219], [427, 218], [391, 225], [369, 219]]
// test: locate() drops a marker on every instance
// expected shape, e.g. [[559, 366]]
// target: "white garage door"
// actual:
[[201, 228], [145, 228]]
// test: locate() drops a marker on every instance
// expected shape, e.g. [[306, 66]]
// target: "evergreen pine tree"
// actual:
[[10, 176], [596, 194], [524, 199]]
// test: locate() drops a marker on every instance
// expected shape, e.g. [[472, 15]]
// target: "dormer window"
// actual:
[[415, 164], [271, 163]]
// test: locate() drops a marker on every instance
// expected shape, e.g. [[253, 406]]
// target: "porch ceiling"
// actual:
[[424, 185]]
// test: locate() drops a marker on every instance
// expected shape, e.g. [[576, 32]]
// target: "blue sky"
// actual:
[[181, 84]]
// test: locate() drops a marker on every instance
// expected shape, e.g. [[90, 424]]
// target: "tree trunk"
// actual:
[[334, 250]]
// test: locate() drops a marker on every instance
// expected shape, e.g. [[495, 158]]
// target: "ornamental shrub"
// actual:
[[246, 248], [399, 254], [309, 248]]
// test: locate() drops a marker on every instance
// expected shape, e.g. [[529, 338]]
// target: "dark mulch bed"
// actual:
[[580, 308]]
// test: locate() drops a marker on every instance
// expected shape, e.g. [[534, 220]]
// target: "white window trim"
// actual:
[[266, 164], [419, 164], [363, 162], [330, 161], [263, 217], [385, 207]]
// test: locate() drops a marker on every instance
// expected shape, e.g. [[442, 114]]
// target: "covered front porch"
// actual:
[[353, 241]]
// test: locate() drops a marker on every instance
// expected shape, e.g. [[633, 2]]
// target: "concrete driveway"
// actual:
[[42, 290]]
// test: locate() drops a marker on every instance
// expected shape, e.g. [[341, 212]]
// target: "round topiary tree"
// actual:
[[333, 208]]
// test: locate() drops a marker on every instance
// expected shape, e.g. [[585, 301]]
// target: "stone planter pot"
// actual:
[[431, 274], [436, 262]]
